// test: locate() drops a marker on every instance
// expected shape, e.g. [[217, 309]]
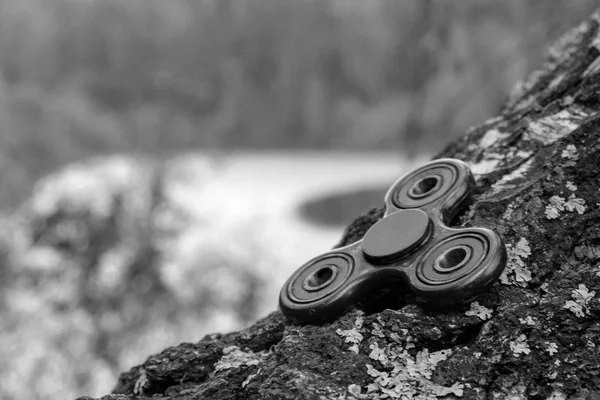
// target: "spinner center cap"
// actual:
[[395, 236]]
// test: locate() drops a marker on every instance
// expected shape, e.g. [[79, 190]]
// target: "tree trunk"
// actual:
[[535, 334]]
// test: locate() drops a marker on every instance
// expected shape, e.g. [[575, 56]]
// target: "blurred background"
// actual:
[[166, 165]]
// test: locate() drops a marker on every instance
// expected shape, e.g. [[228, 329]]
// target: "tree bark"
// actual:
[[535, 334]]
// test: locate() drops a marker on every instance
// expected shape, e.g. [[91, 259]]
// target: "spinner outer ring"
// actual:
[[295, 285], [468, 285], [429, 274], [447, 170]]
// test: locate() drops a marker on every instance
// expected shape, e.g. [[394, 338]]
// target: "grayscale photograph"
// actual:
[[299, 199]]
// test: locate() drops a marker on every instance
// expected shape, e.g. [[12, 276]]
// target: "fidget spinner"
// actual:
[[412, 247]]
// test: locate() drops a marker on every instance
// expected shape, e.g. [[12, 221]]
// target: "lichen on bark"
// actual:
[[533, 342]]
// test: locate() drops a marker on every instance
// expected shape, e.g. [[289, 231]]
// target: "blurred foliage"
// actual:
[[90, 286], [82, 77]]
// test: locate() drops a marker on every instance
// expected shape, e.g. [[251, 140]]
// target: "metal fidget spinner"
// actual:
[[411, 243]]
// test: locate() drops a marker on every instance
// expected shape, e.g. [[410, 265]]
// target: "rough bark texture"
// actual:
[[535, 335]]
